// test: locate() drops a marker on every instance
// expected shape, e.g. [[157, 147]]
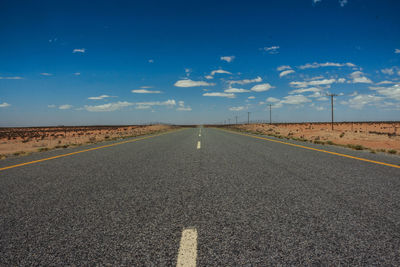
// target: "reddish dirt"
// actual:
[[25, 140], [372, 135]]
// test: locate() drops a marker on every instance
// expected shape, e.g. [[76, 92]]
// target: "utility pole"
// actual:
[[248, 117], [229, 121], [236, 119], [270, 112], [332, 95]]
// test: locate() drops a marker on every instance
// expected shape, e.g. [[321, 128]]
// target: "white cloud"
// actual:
[[316, 1], [272, 100], [182, 107], [392, 92], [4, 105], [220, 72], [318, 95], [300, 91], [391, 71], [290, 99], [295, 100], [51, 106], [316, 78], [251, 97], [99, 97], [341, 80], [323, 98], [119, 105], [169, 102], [326, 64], [388, 71], [358, 77], [66, 106], [236, 90], [319, 108], [261, 87], [397, 51], [385, 82], [237, 108], [151, 61], [359, 101], [246, 81], [228, 95], [283, 67], [77, 73], [312, 83], [142, 107], [277, 105], [46, 74], [342, 2], [145, 91], [271, 49], [11, 78], [146, 87], [286, 72], [228, 58], [108, 107], [190, 83], [209, 77], [79, 50]]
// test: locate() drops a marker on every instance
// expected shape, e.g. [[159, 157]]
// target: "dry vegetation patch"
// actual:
[[375, 136], [22, 141]]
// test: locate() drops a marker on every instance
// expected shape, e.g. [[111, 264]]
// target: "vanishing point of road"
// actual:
[[200, 196]]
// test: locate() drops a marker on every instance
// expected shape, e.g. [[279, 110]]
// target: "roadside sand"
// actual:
[[371, 135], [19, 141]]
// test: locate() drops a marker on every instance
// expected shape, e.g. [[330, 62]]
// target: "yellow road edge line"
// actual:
[[85, 150], [315, 149]]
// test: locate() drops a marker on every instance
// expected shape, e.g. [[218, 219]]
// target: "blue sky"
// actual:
[[129, 62]]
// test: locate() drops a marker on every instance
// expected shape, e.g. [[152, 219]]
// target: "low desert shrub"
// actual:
[[356, 147], [392, 151]]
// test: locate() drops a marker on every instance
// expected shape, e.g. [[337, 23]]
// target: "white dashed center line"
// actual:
[[198, 145], [187, 254]]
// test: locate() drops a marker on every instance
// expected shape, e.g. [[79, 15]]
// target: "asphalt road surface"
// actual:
[[200, 196]]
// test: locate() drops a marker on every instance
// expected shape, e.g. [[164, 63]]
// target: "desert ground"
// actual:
[[375, 136], [21, 141]]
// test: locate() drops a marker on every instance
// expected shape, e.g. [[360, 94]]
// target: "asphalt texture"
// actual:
[[253, 203]]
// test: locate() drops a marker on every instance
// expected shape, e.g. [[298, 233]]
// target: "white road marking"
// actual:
[[198, 145], [187, 254]]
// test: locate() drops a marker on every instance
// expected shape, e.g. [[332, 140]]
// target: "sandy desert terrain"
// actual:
[[20, 141], [376, 136]]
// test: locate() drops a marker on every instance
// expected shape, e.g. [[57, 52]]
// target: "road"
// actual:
[[200, 196]]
